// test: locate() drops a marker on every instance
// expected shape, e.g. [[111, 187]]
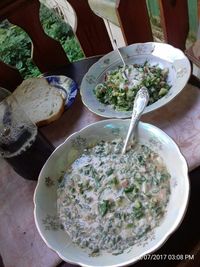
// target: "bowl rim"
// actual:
[[166, 236]]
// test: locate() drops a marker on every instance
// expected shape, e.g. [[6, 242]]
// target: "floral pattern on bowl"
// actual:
[[67, 87], [163, 55], [45, 196]]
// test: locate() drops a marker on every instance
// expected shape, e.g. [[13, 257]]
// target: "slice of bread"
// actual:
[[42, 102]]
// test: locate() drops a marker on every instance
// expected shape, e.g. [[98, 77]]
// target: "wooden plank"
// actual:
[[134, 21], [7, 7], [175, 21], [10, 77], [91, 31], [48, 53], [198, 9]]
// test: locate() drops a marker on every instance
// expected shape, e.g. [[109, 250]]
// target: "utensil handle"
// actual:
[[141, 100], [117, 49]]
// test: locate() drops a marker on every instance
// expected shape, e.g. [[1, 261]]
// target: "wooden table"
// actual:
[[186, 240]]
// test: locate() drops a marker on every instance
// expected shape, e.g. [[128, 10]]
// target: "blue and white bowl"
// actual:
[[67, 87]]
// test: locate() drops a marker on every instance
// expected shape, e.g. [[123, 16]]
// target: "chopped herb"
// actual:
[[103, 207], [109, 171], [129, 225], [128, 189]]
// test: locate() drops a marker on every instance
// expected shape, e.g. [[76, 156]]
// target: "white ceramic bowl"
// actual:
[[163, 55], [45, 212]]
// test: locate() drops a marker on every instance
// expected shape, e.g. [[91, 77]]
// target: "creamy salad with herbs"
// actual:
[[122, 84], [108, 201]]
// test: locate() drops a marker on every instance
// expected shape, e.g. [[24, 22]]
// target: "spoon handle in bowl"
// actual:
[[117, 49], [141, 100]]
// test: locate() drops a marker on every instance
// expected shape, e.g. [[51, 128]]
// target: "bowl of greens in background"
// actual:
[[54, 227], [108, 89]]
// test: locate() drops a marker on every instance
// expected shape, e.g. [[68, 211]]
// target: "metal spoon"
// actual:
[[117, 49], [141, 100], [122, 59]]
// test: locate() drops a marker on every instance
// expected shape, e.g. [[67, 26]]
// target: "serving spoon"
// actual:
[[122, 59], [140, 102], [117, 49]]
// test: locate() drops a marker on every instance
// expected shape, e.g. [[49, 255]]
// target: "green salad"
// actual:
[[121, 85]]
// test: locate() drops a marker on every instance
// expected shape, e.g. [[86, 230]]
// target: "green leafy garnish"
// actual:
[[103, 207]]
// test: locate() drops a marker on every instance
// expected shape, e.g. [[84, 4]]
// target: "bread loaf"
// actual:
[[42, 102]]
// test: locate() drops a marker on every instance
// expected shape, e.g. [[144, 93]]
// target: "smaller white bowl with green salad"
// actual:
[[97, 207], [109, 89]]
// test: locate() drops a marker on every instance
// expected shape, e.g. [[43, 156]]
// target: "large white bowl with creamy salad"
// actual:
[[97, 207]]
